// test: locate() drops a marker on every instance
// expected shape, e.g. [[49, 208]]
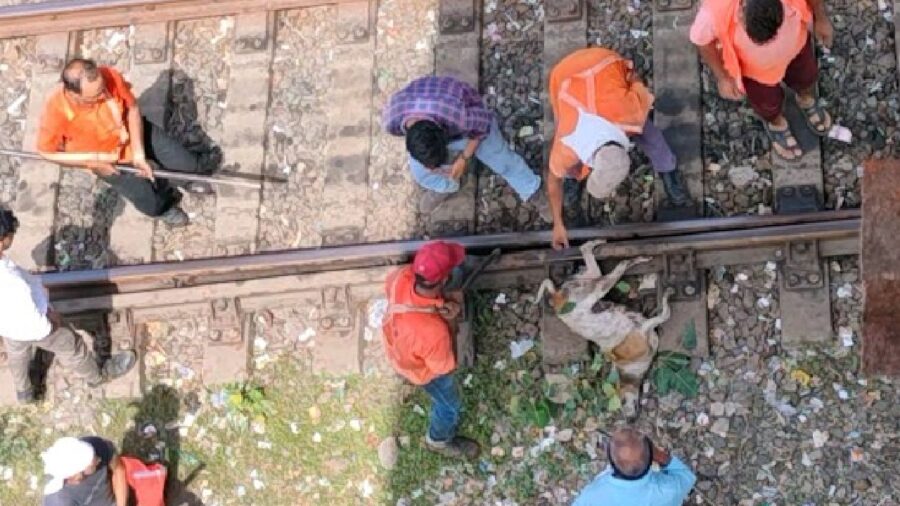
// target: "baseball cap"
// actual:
[[436, 259], [610, 166]]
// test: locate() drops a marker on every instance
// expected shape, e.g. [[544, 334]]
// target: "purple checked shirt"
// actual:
[[451, 103]]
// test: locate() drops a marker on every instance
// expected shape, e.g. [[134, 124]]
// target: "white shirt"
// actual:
[[23, 304], [591, 133]]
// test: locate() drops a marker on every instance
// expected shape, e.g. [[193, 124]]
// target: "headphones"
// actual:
[[617, 473]]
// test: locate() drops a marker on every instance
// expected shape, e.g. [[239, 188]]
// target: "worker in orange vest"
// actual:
[[418, 339], [601, 106], [752, 46]]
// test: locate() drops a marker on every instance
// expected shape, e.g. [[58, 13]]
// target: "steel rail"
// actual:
[[733, 232], [71, 15]]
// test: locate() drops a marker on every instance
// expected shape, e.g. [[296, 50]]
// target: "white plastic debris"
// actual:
[[241, 491], [317, 438], [846, 335], [519, 348], [841, 133], [307, 334], [819, 438], [356, 425], [702, 419], [376, 312], [501, 298]]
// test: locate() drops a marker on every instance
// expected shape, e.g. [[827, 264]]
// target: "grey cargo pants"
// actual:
[[67, 346]]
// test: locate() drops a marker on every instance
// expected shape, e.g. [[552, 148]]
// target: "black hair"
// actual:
[[636, 470], [427, 142], [8, 222], [762, 19], [71, 79]]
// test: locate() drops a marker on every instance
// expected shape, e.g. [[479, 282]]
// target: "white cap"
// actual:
[[67, 457], [609, 167]]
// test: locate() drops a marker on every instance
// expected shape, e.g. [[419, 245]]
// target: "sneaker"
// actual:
[[116, 366], [26, 397], [675, 190], [175, 217], [430, 201], [541, 204], [458, 448]]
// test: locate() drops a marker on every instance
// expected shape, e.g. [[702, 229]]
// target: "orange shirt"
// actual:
[[419, 345], [765, 63], [596, 79], [69, 126]]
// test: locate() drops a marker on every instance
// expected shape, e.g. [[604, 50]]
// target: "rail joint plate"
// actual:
[[801, 266], [561, 11], [673, 5], [681, 274]]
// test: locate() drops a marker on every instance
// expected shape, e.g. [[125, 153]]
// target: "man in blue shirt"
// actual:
[[629, 480]]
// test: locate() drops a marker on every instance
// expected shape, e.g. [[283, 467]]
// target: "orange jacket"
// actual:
[[595, 80], [418, 344], [725, 14], [71, 127]]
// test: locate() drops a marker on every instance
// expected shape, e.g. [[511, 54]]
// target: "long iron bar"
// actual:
[[168, 174]]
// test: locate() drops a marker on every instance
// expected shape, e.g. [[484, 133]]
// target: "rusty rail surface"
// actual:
[[527, 250], [71, 15]]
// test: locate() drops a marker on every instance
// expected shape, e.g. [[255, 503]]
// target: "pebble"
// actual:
[[388, 452]]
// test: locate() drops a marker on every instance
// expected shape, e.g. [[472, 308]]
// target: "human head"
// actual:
[[81, 77], [8, 226], [435, 262], [610, 165], [427, 142], [68, 460], [630, 453], [762, 19]]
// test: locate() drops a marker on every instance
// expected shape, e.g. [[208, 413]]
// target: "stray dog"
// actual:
[[626, 337]]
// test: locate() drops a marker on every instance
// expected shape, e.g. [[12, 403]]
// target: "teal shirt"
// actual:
[[667, 487]]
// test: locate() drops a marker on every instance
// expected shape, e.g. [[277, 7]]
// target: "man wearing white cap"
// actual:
[[601, 106], [84, 472]]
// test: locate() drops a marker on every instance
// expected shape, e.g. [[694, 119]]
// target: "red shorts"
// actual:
[[802, 73]]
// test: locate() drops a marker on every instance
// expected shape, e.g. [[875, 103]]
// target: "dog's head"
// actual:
[[559, 299]]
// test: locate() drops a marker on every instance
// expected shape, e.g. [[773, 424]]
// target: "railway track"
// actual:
[[324, 241]]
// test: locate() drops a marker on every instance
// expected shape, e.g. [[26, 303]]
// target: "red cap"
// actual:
[[436, 259]]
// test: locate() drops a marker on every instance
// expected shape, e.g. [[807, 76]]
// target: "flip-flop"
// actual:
[[820, 112], [781, 138]]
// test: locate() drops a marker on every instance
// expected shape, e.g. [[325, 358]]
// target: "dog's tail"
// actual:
[[546, 286], [664, 313]]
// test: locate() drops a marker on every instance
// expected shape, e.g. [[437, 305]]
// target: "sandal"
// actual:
[[820, 126], [786, 140]]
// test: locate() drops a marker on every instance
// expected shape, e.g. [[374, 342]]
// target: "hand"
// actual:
[[459, 168], [450, 310], [661, 456], [824, 31], [728, 89], [144, 168], [454, 296], [560, 236], [103, 169]]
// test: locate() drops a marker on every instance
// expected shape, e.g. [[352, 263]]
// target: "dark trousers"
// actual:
[[802, 73], [155, 198]]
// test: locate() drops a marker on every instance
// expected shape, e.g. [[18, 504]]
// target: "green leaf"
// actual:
[[648, 178], [614, 404], [541, 414], [613, 376], [673, 360], [686, 382], [567, 308], [623, 287], [597, 363], [662, 378], [689, 336], [609, 390]]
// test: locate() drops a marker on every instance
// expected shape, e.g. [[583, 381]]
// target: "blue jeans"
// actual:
[[495, 153], [445, 408]]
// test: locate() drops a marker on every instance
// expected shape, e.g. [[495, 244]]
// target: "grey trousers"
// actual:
[[67, 346]]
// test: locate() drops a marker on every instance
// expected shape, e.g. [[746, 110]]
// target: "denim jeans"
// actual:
[[445, 408], [654, 145], [495, 153]]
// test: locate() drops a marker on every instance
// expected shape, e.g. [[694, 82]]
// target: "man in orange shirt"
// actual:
[[93, 120], [752, 46], [600, 106], [418, 340]]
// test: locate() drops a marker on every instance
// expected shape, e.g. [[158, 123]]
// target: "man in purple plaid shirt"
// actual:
[[446, 124]]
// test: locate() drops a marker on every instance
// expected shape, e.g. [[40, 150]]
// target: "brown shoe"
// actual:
[[457, 448]]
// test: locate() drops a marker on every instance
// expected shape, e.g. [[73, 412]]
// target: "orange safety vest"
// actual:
[[725, 14], [594, 80]]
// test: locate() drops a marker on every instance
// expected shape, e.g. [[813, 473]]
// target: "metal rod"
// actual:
[[168, 174]]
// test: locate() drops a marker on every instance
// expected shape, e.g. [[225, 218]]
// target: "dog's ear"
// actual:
[[632, 348]]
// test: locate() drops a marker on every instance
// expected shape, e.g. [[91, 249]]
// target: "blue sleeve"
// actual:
[[431, 180], [589, 495], [678, 479]]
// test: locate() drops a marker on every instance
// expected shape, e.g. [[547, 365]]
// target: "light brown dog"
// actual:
[[626, 337]]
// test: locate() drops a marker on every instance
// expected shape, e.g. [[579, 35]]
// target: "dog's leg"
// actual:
[[605, 283], [665, 313], [590, 260]]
